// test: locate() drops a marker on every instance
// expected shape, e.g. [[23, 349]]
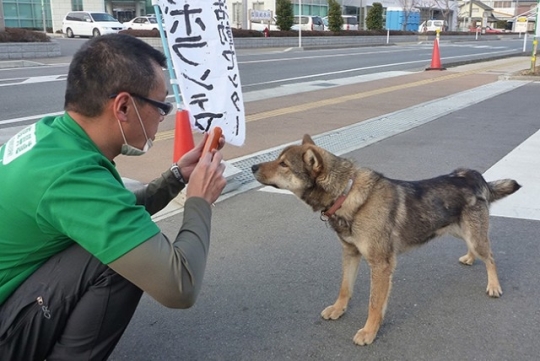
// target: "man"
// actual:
[[77, 249]]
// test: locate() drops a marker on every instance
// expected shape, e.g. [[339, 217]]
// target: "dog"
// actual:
[[377, 218]]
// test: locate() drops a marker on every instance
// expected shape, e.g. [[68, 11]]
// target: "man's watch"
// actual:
[[177, 174]]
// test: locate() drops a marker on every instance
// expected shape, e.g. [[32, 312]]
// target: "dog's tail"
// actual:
[[501, 188], [490, 191]]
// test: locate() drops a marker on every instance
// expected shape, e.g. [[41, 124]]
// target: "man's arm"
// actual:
[[172, 273], [158, 193]]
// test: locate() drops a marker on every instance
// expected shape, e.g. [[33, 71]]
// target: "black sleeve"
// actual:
[[158, 193]]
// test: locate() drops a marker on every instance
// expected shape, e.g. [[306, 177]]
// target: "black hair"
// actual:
[[107, 65]]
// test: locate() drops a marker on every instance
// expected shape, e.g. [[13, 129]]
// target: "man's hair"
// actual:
[[107, 65]]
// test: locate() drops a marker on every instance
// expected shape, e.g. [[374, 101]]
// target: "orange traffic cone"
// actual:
[[435, 57], [183, 136]]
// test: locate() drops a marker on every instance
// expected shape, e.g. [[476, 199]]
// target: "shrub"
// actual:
[[141, 33], [335, 21], [17, 35], [374, 19], [284, 14]]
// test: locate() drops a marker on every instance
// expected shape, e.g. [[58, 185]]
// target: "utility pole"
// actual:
[[43, 16], [470, 14], [535, 42], [2, 22]]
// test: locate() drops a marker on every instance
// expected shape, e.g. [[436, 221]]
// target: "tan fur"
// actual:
[[382, 217]]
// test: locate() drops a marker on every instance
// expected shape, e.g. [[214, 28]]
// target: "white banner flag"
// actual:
[[202, 52]]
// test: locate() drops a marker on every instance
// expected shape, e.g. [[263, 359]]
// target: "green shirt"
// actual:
[[56, 188]]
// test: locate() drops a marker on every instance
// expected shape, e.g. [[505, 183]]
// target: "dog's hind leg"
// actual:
[[350, 263], [381, 283], [475, 233]]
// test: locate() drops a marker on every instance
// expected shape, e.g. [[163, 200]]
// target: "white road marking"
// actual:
[[523, 165], [271, 189], [34, 79]]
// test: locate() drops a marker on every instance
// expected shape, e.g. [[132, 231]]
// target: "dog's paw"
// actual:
[[468, 259], [494, 291], [364, 338], [333, 312]]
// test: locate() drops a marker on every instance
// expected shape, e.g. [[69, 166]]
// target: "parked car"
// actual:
[[308, 23], [261, 25], [142, 23], [432, 25], [487, 30], [88, 23], [350, 22]]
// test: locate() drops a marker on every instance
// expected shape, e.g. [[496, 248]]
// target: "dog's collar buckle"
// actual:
[[325, 216]]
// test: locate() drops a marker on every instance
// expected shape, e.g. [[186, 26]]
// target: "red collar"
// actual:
[[339, 201]]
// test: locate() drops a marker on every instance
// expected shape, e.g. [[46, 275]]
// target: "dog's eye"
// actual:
[[283, 164]]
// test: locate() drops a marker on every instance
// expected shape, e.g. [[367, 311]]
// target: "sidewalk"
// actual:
[[282, 116]]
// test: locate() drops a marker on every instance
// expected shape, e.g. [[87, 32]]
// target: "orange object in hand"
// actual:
[[213, 140]]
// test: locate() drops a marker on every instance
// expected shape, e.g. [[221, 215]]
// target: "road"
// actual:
[[274, 266], [29, 93]]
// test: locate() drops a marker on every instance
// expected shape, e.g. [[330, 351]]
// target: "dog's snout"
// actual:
[[255, 168]]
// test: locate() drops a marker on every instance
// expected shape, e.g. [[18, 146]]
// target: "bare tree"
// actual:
[[447, 7], [427, 8], [407, 6]]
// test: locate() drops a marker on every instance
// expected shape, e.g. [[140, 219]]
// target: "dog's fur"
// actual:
[[383, 217]]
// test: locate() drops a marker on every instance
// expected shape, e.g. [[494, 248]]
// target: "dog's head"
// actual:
[[297, 169]]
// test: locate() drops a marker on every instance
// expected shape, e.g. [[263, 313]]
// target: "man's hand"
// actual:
[[189, 160], [206, 179]]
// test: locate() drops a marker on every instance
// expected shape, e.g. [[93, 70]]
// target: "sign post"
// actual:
[[199, 44], [535, 42]]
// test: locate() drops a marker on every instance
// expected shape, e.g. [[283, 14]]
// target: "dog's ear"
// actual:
[[307, 140], [313, 160]]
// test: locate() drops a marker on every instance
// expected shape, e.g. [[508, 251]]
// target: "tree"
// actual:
[[447, 7], [284, 14], [374, 18], [408, 7], [335, 21]]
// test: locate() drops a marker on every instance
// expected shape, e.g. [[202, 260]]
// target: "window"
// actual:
[[76, 5]]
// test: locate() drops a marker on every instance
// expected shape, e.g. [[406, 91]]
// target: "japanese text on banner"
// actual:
[[202, 52]]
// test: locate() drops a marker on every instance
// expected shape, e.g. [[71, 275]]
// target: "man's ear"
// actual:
[[120, 106], [307, 140], [313, 161]]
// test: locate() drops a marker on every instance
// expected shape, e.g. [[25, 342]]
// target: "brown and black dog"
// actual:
[[378, 218]]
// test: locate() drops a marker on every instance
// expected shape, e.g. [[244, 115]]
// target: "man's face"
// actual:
[[151, 115]]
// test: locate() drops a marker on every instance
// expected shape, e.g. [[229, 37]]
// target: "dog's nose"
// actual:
[[254, 168]]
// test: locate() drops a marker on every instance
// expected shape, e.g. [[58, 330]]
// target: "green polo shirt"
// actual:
[[56, 188]]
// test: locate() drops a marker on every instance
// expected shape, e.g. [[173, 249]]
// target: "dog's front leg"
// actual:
[[350, 263], [381, 283]]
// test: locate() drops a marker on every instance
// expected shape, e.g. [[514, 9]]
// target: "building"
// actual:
[[414, 11], [495, 12], [40, 14]]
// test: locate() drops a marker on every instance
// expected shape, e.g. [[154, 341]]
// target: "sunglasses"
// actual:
[[164, 108]]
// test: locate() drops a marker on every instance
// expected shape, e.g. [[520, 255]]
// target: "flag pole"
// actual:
[[167, 53], [183, 135]]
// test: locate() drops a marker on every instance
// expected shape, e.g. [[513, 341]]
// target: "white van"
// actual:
[[350, 22], [89, 23], [432, 25], [260, 25], [309, 22]]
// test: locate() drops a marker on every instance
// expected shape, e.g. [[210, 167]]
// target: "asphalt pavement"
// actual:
[[274, 266]]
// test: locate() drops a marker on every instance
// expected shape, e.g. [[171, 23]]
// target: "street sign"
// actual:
[[521, 25], [260, 15]]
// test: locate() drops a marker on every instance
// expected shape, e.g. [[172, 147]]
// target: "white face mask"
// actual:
[[128, 149]]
